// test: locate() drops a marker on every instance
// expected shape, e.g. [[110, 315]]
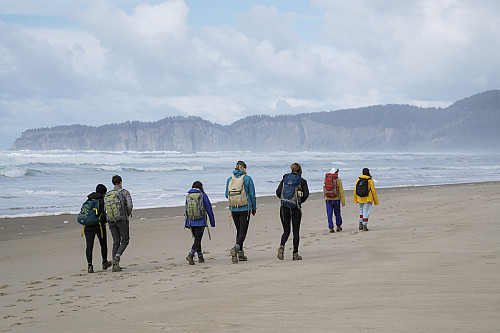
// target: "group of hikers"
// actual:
[[115, 207]]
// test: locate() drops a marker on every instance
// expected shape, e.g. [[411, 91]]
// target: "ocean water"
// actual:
[[34, 183]]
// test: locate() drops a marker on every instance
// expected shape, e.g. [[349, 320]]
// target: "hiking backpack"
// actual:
[[289, 192], [362, 187], [115, 207], [330, 188], [89, 213], [195, 209], [236, 192]]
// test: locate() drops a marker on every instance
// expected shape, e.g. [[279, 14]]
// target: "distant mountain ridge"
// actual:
[[471, 124]]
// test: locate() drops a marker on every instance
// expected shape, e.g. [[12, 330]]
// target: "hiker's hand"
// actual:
[[343, 205], [253, 212]]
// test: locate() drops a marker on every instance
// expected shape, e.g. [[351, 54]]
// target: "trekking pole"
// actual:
[[208, 228]]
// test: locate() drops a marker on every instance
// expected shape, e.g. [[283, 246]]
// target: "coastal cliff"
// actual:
[[467, 125]]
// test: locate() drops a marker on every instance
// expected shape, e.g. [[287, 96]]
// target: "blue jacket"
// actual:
[[249, 189], [203, 221]]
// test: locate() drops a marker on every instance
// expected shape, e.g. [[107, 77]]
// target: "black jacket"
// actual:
[[304, 189], [101, 209]]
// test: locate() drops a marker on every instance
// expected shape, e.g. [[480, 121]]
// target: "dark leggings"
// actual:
[[291, 216], [198, 235], [241, 221], [90, 233]]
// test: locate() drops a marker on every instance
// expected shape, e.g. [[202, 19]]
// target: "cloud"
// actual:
[[266, 23], [134, 60], [414, 47], [34, 68]]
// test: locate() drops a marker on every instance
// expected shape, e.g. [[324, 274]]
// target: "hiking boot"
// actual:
[[331, 230], [281, 251], [365, 227], [296, 256], [90, 269], [339, 228], [189, 258], [241, 256], [116, 264], [107, 264], [360, 226], [201, 259], [234, 253]]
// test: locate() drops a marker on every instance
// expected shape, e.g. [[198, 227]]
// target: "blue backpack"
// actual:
[[89, 213], [289, 192]]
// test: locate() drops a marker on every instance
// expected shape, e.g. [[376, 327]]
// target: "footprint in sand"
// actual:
[[54, 278], [62, 314]]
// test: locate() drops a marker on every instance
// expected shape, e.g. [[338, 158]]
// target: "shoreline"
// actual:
[[32, 226]]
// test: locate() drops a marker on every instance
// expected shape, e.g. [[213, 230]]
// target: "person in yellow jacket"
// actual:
[[365, 202]]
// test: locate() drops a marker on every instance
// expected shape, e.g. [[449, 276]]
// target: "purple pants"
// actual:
[[333, 207]]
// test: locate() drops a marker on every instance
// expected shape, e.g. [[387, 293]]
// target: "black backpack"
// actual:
[[362, 187]]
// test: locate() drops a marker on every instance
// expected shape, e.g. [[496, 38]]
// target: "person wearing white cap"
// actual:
[[334, 196]]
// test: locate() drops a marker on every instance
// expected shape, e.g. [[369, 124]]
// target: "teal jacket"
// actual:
[[249, 189]]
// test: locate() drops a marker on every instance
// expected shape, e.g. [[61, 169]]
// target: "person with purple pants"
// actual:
[[333, 204]]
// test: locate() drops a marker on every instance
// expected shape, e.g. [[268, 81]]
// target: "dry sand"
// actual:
[[430, 262]]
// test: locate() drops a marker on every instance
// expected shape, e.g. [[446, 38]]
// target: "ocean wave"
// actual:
[[38, 214], [14, 172]]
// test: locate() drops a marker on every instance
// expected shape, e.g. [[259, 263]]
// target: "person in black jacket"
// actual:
[[290, 210], [97, 229]]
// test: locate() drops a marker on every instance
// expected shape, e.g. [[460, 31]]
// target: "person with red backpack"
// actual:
[[333, 193]]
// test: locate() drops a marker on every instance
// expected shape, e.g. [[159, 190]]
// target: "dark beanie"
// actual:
[[101, 189], [197, 184]]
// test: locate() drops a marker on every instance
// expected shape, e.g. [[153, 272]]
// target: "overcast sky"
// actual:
[[106, 61]]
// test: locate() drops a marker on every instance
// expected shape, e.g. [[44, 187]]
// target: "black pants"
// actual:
[[198, 235], [90, 233], [241, 221], [290, 217]]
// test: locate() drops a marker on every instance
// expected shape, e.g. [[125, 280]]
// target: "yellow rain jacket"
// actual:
[[372, 195]]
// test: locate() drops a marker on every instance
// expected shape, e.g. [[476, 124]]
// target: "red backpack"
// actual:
[[330, 189]]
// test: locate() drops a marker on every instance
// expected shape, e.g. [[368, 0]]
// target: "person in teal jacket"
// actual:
[[242, 203], [198, 226]]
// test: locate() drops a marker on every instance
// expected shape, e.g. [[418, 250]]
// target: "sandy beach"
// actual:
[[430, 262]]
